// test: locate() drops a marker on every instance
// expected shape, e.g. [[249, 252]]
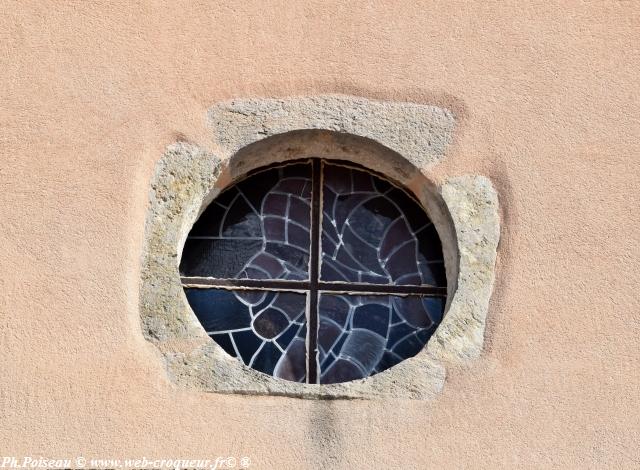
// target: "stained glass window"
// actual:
[[316, 271]]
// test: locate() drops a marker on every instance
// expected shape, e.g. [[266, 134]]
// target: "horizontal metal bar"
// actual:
[[430, 291], [278, 284], [338, 287]]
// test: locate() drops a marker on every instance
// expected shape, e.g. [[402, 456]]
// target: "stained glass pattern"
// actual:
[[257, 229], [273, 256], [373, 232], [359, 336], [266, 330]]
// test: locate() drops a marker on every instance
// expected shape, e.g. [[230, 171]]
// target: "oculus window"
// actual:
[[316, 271]]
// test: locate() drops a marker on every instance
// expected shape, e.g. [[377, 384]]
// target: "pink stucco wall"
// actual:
[[547, 97]]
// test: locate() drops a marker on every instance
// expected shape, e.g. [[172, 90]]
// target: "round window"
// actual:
[[316, 271]]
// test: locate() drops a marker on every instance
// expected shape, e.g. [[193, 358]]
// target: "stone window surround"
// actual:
[[403, 141]]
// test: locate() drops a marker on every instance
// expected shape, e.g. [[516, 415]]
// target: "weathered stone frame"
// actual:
[[402, 141]]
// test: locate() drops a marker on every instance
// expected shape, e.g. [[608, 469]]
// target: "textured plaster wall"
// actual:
[[547, 104]]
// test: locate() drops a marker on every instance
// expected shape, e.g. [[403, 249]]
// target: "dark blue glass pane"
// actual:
[[266, 330], [266, 358], [247, 344], [375, 233], [219, 310], [258, 229], [224, 340], [285, 338], [361, 335]]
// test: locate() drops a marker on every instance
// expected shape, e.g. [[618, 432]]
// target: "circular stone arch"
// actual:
[[188, 177]]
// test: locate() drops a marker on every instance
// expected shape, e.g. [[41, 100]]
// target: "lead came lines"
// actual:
[[358, 341]]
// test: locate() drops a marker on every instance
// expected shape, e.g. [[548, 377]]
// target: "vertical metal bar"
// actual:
[[314, 272]]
